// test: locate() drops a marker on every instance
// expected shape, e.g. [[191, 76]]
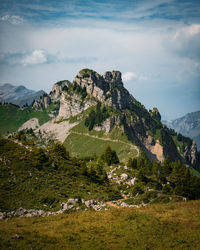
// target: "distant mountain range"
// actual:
[[18, 95], [188, 125]]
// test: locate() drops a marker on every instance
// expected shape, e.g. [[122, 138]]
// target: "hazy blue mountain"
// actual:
[[18, 95], [188, 125]]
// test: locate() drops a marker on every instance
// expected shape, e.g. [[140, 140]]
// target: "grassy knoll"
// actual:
[[84, 145], [160, 226]]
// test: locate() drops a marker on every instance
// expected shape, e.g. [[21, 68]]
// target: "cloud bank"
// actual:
[[156, 44]]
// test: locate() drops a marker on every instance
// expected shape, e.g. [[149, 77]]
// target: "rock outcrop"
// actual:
[[190, 153], [42, 103], [73, 204], [58, 89], [107, 88], [72, 105]]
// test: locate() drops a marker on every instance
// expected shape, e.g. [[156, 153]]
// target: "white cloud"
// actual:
[[12, 19], [187, 31], [36, 57], [143, 78], [186, 41], [133, 76], [128, 76]]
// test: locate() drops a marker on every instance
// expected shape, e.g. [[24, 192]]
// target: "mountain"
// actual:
[[188, 125], [18, 95], [95, 111]]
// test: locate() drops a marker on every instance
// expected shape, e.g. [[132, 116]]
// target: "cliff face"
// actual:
[[141, 126], [107, 88]]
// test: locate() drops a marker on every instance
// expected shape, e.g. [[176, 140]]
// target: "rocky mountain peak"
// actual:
[[107, 88], [58, 88], [93, 82], [114, 79]]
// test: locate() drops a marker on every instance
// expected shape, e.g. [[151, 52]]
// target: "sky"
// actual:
[[155, 44]]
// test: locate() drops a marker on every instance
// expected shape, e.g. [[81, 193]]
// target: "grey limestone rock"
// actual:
[[124, 176], [2, 216], [190, 153], [107, 88]]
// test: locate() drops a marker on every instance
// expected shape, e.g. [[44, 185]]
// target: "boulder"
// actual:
[[90, 203], [132, 181], [21, 211], [2, 216], [124, 176]]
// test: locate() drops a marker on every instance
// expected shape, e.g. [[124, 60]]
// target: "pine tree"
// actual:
[[110, 156], [167, 168]]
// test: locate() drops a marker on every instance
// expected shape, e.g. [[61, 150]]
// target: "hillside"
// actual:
[[41, 178], [160, 226], [12, 117], [18, 95], [188, 125]]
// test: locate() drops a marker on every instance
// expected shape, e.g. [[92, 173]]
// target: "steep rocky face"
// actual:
[[58, 88], [138, 130], [169, 147], [72, 104], [54, 96], [43, 102], [190, 153], [107, 88], [93, 82]]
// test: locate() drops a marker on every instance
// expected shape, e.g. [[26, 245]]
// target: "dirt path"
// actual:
[[111, 204], [108, 139]]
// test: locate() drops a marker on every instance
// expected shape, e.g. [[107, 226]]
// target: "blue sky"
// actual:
[[155, 44]]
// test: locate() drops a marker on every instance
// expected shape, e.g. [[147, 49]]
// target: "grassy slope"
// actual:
[[82, 142], [12, 117], [160, 226], [83, 145]]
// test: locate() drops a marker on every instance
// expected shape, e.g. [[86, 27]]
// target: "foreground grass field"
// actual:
[[160, 226]]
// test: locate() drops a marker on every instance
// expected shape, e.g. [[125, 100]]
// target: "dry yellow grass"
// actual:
[[160, 226]]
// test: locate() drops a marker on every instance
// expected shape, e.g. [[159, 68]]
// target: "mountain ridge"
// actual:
[[18, 95], [140, 127]]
